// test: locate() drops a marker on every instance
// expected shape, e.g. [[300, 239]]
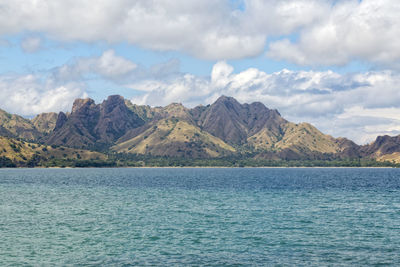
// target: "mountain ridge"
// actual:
[[224, 128]]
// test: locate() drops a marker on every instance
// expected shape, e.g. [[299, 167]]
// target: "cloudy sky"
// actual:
[[334, 63]]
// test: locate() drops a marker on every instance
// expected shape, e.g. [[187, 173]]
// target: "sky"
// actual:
[[333, 63]]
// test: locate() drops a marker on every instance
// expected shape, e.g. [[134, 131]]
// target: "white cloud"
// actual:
[[31, 44], [326, 32], [29, 95], [358, 106], [186, 88], [206, 29], [367, 30], [108, 65], [55, 90], [113, 68]]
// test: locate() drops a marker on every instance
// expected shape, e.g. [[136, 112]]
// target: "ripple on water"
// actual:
[[217, 217]]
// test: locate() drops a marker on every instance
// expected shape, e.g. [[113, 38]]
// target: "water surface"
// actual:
[[218, 217]]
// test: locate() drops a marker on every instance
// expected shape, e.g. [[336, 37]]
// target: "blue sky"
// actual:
[[332, 63]]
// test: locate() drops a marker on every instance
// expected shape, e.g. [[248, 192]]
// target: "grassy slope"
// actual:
[[146, 113], [394, 157], [21, 151], [176, 138], [305, 136], [264, 139], [298, 137], [18, 126], [45, 122]]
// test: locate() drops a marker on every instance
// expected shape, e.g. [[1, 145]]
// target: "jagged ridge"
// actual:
[[223, 128]]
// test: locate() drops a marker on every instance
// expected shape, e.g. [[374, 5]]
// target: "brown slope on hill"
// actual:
[[302, 137], [45, 122], [297, 137], [5, 132], [383, 145], [21, 152], [175, 137], [384, 148], [115, 120], [61, 120], [91, 125], [224, 119], [145, 112], [18, 127], [298, 141], [172, 111], [235, 123], [77, 129], [347, 148], [175, 110]]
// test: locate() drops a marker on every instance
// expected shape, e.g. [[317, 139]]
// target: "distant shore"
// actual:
[[211, 167]]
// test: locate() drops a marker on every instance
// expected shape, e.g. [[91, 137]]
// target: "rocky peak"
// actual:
[[82, 103], [224, 119], [383, 145], [176, 110], [115, 119], [145, 112], [112, 102], [380, 140], [175, 105], [257, 106], [61, 120], [229, 103], [233, 122], [226, 99]]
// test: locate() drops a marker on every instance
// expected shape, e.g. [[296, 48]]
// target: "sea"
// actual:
[[200, 217]]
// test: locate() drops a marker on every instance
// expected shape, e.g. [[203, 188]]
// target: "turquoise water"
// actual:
[[192, 217]]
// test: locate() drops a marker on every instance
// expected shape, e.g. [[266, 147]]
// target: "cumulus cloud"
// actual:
[[31, 44], [187, 88], [56, 90], [30, 95], [330, 31], [327, 32], [367, 30], [108, 65], [207, 29], [113, 68], [358, 106]]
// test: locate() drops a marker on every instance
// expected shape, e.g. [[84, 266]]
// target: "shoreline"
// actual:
[[209, 167]]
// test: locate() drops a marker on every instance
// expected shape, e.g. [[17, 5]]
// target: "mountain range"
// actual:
[[223, 129]]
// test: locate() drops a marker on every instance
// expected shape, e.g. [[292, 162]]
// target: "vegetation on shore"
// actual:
[[129, 160]]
